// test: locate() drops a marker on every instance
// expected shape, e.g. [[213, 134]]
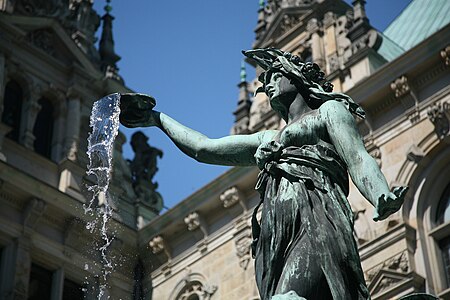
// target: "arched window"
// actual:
[[443, 217], [193, 287], [12, 108], [192, 291], [43, 128]]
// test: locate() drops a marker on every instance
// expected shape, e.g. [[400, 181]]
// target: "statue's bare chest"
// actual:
[[307, 130]]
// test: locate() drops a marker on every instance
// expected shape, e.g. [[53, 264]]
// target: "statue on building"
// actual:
[[303, 244], [143, 168]]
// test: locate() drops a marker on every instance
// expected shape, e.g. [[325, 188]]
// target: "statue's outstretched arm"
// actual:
[[363, 169], [236, 150]]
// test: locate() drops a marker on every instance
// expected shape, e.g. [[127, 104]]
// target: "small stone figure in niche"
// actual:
[[143, 169], [303, 245]]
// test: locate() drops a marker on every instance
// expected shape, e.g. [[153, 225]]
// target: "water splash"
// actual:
[[105, 126]]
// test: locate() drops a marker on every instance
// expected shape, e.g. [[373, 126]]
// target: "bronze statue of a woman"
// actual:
[[303, 245]]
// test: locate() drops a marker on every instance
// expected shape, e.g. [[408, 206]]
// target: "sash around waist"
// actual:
[[303, 163]]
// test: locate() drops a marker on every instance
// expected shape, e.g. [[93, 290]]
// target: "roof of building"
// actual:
[[419, 20]]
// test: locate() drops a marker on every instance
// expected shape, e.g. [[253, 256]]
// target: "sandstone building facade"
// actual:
[[50, 75], [200, 249]]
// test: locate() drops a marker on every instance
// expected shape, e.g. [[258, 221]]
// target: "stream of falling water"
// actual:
[[105, 126]]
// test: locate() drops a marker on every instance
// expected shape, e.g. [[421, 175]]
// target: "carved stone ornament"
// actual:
[[192, 221], [193, 286], [439, 116], [288, 22], [445, 54], [415, 154], [157, 244], [230, 197], [243, 247], [33, 212], [43, 39], [398, 263], [400, 86], [333, 62]]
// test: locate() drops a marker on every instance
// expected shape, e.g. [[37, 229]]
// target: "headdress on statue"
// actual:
[[314, 87]]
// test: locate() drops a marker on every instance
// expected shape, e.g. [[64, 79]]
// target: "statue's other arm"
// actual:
[[363, 169], [235, 150]]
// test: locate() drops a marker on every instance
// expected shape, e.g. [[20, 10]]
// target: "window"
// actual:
[[43, 129], [12, 108], [193, 291], [193, 287], [443, 212], [443, 217], [72, 290], [40, 285]]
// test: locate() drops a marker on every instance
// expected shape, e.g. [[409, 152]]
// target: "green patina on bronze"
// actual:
[[304, 245]]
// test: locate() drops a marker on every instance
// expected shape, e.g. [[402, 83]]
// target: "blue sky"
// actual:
[[187, 54]]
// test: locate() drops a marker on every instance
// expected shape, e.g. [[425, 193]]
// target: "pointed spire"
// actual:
[[108, 56], [261, 4], [242, 112], [243, 72]]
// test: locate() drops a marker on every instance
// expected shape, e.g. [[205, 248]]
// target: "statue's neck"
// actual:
[[297, 108]]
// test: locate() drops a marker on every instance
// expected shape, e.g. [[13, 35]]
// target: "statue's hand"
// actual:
[[390, 203], [136, 110]]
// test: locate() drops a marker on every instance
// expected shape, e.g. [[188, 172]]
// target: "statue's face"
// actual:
[[280, 90]]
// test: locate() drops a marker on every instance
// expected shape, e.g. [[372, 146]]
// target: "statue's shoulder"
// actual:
[[334, 110]]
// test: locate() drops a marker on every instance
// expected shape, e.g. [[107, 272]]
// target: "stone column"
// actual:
[[4, 130], [72, 128], [2, 82], [31, 110], [57, 285], [317, 48], [7, 268], [15, 272]]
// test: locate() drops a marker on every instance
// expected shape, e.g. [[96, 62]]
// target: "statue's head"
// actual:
[[306, 77], [138, 140]]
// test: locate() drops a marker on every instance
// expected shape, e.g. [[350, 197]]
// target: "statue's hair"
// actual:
[[308, 77]]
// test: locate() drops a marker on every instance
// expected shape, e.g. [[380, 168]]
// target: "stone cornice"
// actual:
[[64, 203], [410, 60], [193, 202]]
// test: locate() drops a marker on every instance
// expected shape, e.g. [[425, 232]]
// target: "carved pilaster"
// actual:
[[72, 233], [33, 212], [439, 115], [73, 129], [31, 110], [317, 49], [243, 242], [21, 274]]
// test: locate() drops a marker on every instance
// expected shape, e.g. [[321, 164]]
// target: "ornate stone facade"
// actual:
[[50, 74]]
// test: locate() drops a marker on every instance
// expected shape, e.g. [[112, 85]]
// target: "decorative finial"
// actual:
[[261, 4], [243, 72], [108, 7], [108, 56]]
